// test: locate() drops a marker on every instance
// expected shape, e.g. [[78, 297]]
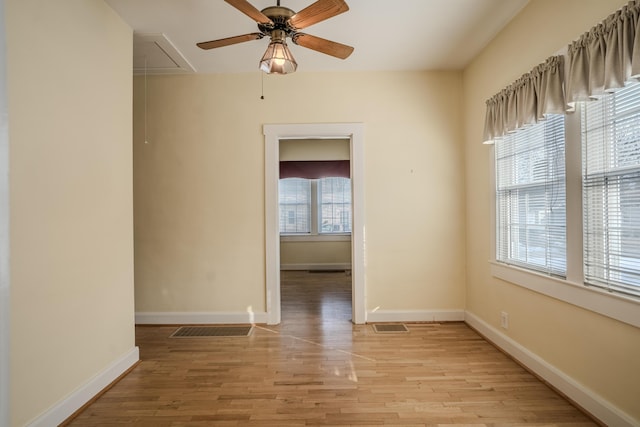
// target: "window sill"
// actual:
[[615, 306], [342, 237]]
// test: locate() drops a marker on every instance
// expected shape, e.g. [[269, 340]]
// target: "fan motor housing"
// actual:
[[279, 15]]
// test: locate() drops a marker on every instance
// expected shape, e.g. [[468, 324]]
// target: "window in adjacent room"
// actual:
[[295, 205], [334, 199], [315, 206]]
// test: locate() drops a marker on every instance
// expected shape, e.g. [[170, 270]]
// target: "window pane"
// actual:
[[530, 197], [295, 205], [334, 205], [611, 190]]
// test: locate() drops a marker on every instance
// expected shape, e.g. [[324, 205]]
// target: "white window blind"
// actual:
[[295, 205], [334, 205], [531, 197], [611, 190], [315, 206]]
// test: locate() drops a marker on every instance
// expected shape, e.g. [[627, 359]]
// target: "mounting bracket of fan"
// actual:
[[279, 15]]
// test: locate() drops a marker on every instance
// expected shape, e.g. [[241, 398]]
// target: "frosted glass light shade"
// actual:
[[278, 59]]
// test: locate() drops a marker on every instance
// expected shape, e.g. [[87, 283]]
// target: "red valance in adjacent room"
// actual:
[[315, 169]]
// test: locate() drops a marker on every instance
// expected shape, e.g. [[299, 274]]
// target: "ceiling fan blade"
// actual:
[[316, 12], [248, 9], [319, 44], [229, 41]]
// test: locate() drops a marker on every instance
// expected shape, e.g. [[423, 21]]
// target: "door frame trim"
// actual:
[[5, 278], [273, 133]]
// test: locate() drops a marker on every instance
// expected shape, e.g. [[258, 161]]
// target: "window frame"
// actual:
[[512, 161], [602, 175], [314, 234], [572, 290], [320, 205], [308, 205]]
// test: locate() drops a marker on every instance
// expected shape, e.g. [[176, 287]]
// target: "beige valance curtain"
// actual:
[[606, 57], [527, 100], [601, 60]]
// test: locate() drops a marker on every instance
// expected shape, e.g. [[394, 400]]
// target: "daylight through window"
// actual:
[[611, 190], [530, 197], [315, 206]]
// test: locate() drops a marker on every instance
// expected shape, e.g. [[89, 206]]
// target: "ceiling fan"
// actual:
[[278, 23]]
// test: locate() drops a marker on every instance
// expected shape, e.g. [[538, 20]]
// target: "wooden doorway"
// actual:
[[273, 134]]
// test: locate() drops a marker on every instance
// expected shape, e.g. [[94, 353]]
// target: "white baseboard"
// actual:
[[67, 407], [317, 266], [198, 318], [415, 316], [595, 404]]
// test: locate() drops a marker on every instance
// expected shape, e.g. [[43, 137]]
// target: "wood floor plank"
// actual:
[[317, 368]]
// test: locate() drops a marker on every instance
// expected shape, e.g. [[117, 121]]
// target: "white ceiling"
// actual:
[[386, 35]]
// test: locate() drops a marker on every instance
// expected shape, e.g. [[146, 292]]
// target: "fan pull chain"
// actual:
[[261, 84]]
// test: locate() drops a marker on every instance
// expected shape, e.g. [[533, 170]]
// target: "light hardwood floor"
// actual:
[[316, 368]]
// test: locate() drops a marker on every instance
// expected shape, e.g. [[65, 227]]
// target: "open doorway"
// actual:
[[274, 134], [315, 218]]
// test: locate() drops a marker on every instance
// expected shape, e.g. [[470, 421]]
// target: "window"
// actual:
[[295, 205], [315, 206], [601, 259], [611, 191], [530, 197], [600, 268], [334, 212]]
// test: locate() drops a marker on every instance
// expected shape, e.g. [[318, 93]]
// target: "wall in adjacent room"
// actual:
[[71, 251], [597, 352], [314, 149], [314, 255]]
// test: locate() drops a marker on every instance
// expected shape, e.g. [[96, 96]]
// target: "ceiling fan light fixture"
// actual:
[[278, 59], [279, 23]]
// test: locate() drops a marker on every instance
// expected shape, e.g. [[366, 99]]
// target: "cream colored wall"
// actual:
[[314, 149], [314, 253], [199, 184], [69, 85], [4, 229], [598, 352]]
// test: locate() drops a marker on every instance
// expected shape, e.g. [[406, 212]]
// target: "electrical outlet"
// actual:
[[504, 319]]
